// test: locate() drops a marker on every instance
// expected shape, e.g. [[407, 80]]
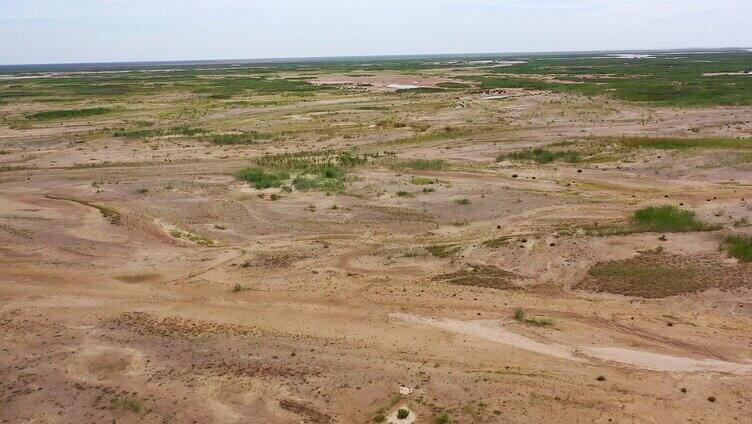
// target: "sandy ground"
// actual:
[[337, 311]]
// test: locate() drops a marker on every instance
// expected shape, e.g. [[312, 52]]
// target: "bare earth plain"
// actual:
[[385, 249]]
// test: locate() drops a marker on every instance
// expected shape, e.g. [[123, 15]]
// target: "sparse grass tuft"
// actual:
[[421, 181], [420, 164], [441, 419], [740, 247], [519, 315], [497, 242], [193, 237], [247, 137], [237, 288], [463, 202]]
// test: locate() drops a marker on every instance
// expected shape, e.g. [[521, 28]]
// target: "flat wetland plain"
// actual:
[[525, 239]]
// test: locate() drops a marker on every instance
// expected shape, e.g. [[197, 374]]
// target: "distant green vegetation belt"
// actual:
[[69, 113], [662, 81]]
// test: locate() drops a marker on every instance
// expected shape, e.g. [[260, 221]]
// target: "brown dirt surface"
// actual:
[[142, 282]]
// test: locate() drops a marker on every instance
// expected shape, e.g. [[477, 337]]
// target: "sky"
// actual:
[[65, 31]]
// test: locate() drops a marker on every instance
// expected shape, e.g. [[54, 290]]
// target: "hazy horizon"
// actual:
[[96, 31]]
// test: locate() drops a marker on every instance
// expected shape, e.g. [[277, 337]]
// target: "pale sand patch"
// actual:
[[487, 330], [636, 358], [661, 362]]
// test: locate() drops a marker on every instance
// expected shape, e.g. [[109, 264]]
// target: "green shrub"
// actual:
[[313, 170], [402, 413], [667, 218], [739, 247], [260, 179], [519, 315]]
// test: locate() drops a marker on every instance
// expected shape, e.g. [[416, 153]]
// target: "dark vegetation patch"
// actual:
[[127, 404], [443, 251], [666, 143], [480, 276], [542, 156], [229, 86], [311, 415], [657, 275], [146, 324], [159, 132], [69, 113]]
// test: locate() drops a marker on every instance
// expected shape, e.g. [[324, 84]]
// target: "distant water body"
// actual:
[[229, 63]]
